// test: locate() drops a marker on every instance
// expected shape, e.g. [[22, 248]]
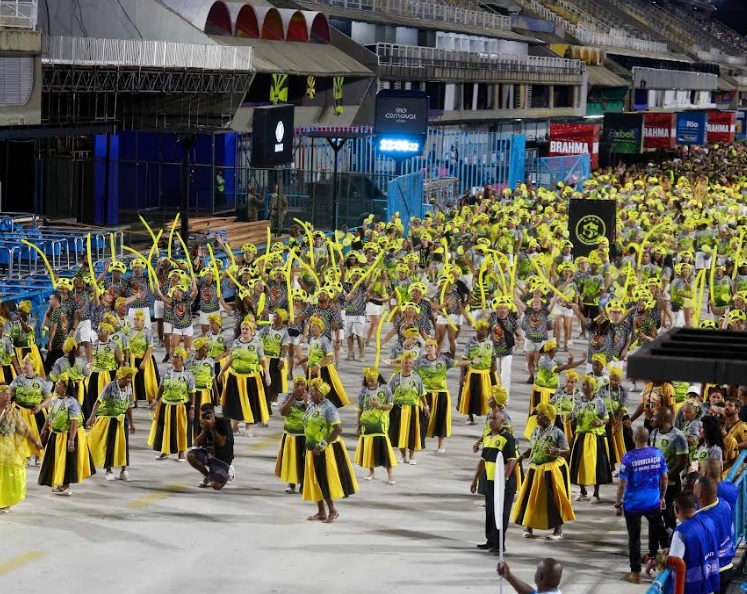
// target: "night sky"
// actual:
[[733, 13]]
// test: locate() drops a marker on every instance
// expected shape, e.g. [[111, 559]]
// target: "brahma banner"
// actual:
[[722, 126], [575, 139], [659, 131]]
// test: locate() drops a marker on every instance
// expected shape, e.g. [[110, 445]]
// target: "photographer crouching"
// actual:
[[213, 451]]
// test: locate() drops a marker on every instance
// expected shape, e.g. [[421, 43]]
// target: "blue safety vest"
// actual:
[[701, 555]]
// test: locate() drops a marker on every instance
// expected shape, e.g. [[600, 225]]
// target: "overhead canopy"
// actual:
[[724, 84], [694, 355], [599, 76], [302, 59]]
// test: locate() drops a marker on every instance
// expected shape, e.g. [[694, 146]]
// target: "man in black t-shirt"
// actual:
[[213, 452]]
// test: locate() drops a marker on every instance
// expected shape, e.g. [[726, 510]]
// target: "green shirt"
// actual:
[[29, 391], [203, 371], [114, 401], [246, 356], [62, 413], [177, 386], [104, 358], [19, 337], [216, 345], [544, 439], [586, 412], [433, 373], [140, 342], [407, 389], [319, 348], [294, 419], [479, 353], [374, 421], [318, 422], [6, 351], [273, 340]]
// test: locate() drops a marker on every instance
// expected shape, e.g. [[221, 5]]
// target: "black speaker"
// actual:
[[272, 136]]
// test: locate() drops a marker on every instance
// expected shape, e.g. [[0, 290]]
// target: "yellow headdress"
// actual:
[[601, 357], [431, 341], [408, 356], [200, 343], [411, 333], [500, 395], [592, 381], [106, 327], [215, 317], [550, 345], [118, 267], [69, 345], [63, 377], [139, 315], [571, 374], [615, 371], [371, 373], [317, 321], [282, 314], [24, 306], [321, 386], [481, 325], [300, 379], [548, 410], [126, 372], [180, 352]]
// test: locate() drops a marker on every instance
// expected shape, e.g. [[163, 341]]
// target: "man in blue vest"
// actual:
[[694, 541], [726, 490], [720, 514]]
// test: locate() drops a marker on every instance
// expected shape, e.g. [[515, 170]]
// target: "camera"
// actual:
[[207, 415]]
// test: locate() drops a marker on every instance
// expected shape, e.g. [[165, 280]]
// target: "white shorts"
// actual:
[[84, 332], [190, 331], [158, 310], [146, 311], [204, 317], [565, 312], [533, 347], [167, 328], [702, 260], [295, 340], [355, 325], [442, 321], [372, 309]]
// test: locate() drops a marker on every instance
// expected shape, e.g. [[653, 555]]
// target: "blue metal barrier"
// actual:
[[663, 582]]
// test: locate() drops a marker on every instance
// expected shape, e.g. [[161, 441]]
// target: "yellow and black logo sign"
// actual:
[[311, 87], [590, 229], [279, 89], [337, 94]]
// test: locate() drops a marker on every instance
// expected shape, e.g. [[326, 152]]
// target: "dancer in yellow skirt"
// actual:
[[145, 383], [374, 448], [174, 406], [23, 338], [544, 499], [289, 466], [109, 438], [106, 359], [590, 462], [66, 456], [546, 382], [217, 349], [478, 379], [615, 398], [328, 474], [408, 417], [9, 364], [319, 361], [243, 397], [564, 400], [14, 437], [202, 368], [31, 395], [76, 368]]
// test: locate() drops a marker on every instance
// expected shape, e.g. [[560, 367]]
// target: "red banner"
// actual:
[[659, 131], [575, 139], [722, 126]]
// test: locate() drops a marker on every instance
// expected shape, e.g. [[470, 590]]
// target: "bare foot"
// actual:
[[317, 516], [331, 518]]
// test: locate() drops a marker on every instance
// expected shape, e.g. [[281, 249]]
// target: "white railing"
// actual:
[[618, 40], [94, 51], [18, 14], [714, 55], [655, 78], [422, 9], [394, 54]]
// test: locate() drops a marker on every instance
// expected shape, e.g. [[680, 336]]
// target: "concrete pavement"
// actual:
[[161, 534]]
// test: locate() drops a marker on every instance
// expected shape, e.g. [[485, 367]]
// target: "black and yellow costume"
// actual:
[[407, 422], [243, 397], [433, 374], [590, 461], [30, 392], [290, 463], [473, 399], [202, 370], [109, 438], [169, 432], [319, 348], [374, 448], [102, 372], [145, 383]]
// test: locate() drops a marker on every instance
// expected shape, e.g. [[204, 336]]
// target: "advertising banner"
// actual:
[[659, 131], [575, 139], [722, 126], [622, 133], [691, 127], [401, 122], [741, 130]]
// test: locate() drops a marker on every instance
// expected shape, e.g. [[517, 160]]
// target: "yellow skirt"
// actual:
[[61, 467], [169, 433], [615, 443], [107, 442], [439, 423], [329, 475], [473, 400], [405, 428], [590, 460], [12, 484], [289, 466], [544, 500], [539, 396], [35, 422], [375, 450], [36, 357], [243, 398], [562, 422], [145, 384]]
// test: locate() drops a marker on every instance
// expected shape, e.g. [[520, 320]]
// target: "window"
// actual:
[[17, 74]]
